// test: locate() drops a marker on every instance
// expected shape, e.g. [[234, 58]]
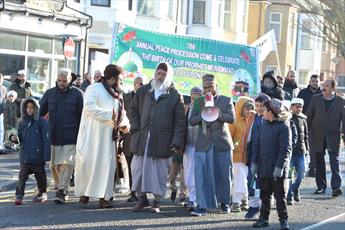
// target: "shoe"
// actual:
[[289, 201], [244, 205], [141, 204], [173, 195], [284, 225], [155, 206], [336, 192], [252, 212], [199, 212], [59, 197], [132, 198], [296, 196], [261, 223], [104, 203], [183, 200], [320, 191], [311, 172], [40, 198], [190, 204], [18, 201], [84, 199], [224, 208], [235, 207]]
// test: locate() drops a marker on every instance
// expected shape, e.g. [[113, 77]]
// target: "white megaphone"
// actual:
[[210, 113]]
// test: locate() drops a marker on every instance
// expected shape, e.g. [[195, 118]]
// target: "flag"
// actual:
[[266, 44]]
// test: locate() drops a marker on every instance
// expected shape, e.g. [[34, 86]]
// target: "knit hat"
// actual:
[[276, 106], [162, 66], [20, 72], [208, 78], [297, 100], [12, 93], [262, 98], [196, 90]]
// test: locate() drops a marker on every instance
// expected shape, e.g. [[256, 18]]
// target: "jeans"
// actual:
[[298, 163], [25, 171]]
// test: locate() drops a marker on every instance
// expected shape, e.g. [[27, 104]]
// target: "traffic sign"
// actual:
[[68, 48]]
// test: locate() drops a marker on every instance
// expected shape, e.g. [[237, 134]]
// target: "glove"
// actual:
[[254, 169], [278, 172]]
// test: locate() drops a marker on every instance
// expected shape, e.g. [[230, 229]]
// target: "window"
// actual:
[[306, 38], [105, 3], [272, 67], [227, 15], [171, 9], [199, 10], [341, 81], [12, 41], [146, 7], [275, 24], [40, 45], [10, 64], [77, 1], [303, 77], [130, 5], [324, 40]]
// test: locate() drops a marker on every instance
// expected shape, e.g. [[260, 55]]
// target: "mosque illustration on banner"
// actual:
[[243, 84], [131, 63]]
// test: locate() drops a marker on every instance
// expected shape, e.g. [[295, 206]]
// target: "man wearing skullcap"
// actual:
[[158, 128], [213, 152]]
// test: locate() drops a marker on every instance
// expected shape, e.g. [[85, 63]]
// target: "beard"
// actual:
[[290, 82], [157, 84], [20, 82]]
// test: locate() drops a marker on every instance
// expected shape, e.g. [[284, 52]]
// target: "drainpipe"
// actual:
[[298, 45], [188, 5], [90, 21]]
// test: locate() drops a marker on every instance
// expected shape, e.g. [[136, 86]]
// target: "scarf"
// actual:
[[119, 114]]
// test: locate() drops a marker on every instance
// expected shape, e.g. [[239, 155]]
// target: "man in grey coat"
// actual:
[[158, 129], [213, 152], [326, 117]]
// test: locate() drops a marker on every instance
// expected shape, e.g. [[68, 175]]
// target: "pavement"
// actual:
[[313, 212]]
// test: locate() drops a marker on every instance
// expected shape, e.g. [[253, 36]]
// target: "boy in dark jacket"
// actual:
[[300, 149], [34, 140], [273, 150], [11, 118]]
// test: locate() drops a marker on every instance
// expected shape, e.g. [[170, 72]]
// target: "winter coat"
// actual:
[[325, 125], [127, 99], [306, 94], [302, 144], [276, 92], [273, 147], [239, 131], [11, 115], [3, 93], [163, 118], [291, 88], [258, 121], [65, 110], [22, 92], [33, 134], [215, 133]]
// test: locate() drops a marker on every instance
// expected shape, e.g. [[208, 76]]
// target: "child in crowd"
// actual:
[[254, 198], [239, 131], [273, 150], [34, 140], [299, 150], [176, 169], [11, 111]]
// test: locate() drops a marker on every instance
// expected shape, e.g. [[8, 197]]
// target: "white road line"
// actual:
[[324, 222]]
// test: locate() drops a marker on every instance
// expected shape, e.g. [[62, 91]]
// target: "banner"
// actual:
[[139, 51], [266, 44]]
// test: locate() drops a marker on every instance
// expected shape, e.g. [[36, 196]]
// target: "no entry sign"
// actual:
[[68, 48]]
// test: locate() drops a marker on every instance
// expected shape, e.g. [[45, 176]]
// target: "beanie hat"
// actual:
[[12, 93], [276, 106], [297, 100], [262, 98], [196, 89]]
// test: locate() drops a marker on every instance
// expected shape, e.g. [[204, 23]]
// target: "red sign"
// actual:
[[68, 48]]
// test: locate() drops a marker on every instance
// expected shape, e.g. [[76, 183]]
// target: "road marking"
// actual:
[[324, 222]]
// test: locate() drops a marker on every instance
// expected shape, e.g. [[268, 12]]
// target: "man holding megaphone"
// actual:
[[213, 148]]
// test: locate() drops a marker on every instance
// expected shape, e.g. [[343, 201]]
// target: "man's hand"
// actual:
[[176, 149]]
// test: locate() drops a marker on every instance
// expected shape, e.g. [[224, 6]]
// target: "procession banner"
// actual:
[[139, 51]]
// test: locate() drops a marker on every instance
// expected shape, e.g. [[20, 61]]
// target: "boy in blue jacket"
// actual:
[[34, 140], [273, 150]]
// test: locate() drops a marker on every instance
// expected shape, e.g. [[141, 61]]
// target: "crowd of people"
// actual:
[[234, 163]]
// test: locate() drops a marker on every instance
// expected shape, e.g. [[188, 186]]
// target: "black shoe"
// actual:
[[296, 196], [252, 212], [320, 191], [336, 192], [289, 201], [59, 197], [261, 223], [173, 195], [132, 198], [311, 172], [284, 225]]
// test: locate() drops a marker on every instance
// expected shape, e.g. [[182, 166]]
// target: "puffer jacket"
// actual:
[[302, 144], [239, 131], [273, 146], [34, 137]]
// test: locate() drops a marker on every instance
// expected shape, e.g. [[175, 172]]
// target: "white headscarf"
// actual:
[[165, 85]]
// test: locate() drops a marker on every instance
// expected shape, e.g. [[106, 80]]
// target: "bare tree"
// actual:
[[333, 27]]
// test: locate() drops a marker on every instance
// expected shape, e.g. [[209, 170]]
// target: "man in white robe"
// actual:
[[96, 146]]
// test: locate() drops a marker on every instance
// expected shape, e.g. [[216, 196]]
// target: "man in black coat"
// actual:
[[64, 105], [306, 94], [270, 86], [290, 84]]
